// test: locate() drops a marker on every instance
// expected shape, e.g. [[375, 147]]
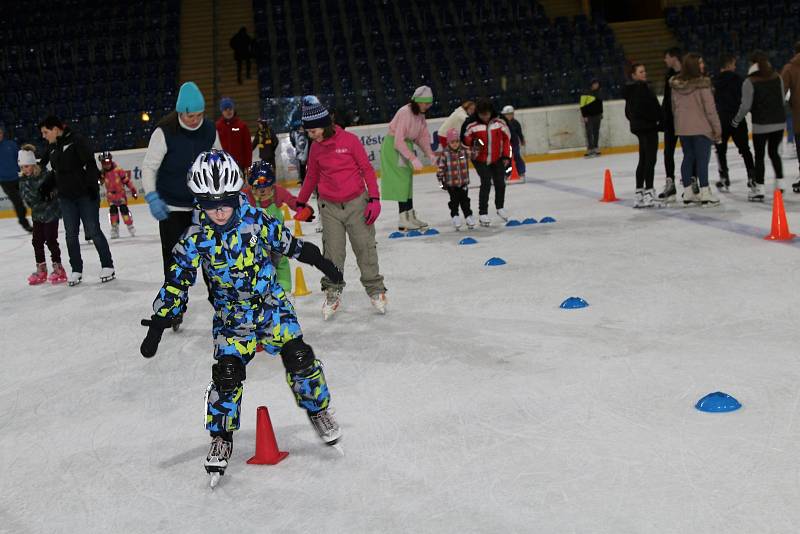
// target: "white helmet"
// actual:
[[215, 175], [507, 109]]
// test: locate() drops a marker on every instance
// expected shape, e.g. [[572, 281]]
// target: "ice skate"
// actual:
[[327, 428], [669, 192], [405, 223], [379, 302], [695, 185], [503, 214], [470, 222], [115, 231], [756, 193], [131, 230], [796, 186], [39, 276], [638, 198], [649, 199], [484, 220], [707, 198], [217, 459], [689, 197], [58, 276], [107, 274], [413, 218], [333, 299], [457, 222], [74, 279], [724, 184]]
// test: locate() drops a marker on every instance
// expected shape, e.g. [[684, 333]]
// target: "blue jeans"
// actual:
[[87, 211], [518, 160], [696, 155]]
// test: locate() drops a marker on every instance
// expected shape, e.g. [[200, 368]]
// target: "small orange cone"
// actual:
[[608, 189], [267, 452], [514, 178], [780, 228], [287, 215], [300, 289], [298, 230]]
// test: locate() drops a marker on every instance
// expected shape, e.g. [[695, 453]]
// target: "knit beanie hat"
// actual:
[[452, 135], [314, 114], [26, 157], [190, 99], [226, 103], [423, 94]]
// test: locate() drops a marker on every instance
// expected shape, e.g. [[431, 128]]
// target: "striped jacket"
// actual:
[[492, 141], [453, 166]]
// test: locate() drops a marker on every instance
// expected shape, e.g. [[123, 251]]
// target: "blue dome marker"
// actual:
[[396, 235], [718, 402], [513, 222], [492, 262], [546, 220], [468, 241], [414, 233], [529, 220], [574, 303], [431, 231]]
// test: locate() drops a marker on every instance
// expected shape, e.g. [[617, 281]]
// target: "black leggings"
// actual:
[[406, 205], [493, 174], [771, 141], [648, 152], [459, 198]]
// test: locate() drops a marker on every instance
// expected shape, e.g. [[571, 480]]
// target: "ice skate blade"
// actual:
[[338, 446], [104, 279], [73, 284], [212, 483]]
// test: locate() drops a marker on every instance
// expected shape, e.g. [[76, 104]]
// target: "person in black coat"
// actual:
[[728, 96], [644, 114], [672, 59], [242, 45], [76, 179]]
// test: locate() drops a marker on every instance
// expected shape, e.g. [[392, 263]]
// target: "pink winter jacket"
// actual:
[[406, 126], [339, 167]]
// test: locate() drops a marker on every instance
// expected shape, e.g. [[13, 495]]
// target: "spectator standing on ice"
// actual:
[[728, 96], [697, 124], [398, 161], [644, 114], [242, 45], [672, 59], [9, 178], [234, 136], [592, 114], [517, 139], [791, 83], [762, 97]]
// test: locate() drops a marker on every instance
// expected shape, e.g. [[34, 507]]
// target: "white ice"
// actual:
[[474, 405]]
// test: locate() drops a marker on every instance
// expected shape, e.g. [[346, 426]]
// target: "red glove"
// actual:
[[372, 211], [305, 213]]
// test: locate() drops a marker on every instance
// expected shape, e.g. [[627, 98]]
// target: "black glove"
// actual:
[[311, 255], [478, 142], [507, 165], [155, 329], [46, 190]]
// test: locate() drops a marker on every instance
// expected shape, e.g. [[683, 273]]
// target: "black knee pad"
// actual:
[[297, 355], [113, 209], [228, 373], [123, 209]]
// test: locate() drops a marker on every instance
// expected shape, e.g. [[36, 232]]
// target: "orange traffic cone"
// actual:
[[298, 230], [608, 189], [514, 178], [780, 228], [267, 452], [287, 215], [300, 289]]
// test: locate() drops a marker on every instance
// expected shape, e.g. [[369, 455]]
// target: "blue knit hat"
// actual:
[[226, 103], [190, 99], [314, 114]]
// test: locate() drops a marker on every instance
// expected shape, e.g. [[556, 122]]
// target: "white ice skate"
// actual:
[[638, 198], [405, 223], [756, 193], [470, 222], [333, 299], [689, 197], [707, 198], [107, 274], [131, 230], [484, 220], [649, 199], [115, 231], [327, 428], [413, 218], [379, 302], [217, 459], [74, 278], [457, 222], [503, 214]]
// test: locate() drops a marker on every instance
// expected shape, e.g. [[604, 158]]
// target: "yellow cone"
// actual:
[[287, 216], [300, 289], [298, 230]]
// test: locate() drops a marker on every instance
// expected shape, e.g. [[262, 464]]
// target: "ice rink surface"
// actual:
[[474, 405]]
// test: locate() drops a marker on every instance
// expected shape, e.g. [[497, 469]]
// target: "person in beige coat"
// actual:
[[697, 125]]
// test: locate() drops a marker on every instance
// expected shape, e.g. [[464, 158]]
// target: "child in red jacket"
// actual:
[[234, 136], [115, 179]]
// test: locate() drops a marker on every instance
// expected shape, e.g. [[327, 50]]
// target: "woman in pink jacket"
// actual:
[[349, 203], [398, 161]]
